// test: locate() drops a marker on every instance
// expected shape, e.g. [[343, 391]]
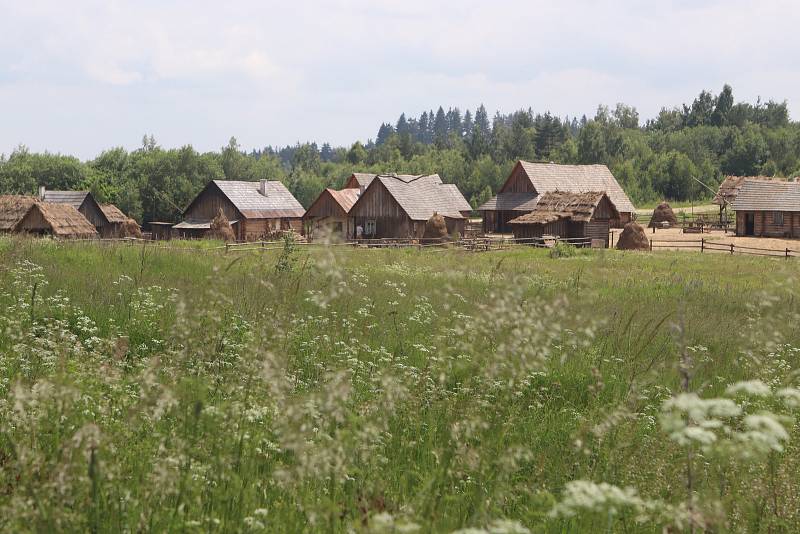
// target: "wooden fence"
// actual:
[[704, 245]]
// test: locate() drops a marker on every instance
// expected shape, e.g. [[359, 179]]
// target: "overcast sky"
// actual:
[[81, 76]]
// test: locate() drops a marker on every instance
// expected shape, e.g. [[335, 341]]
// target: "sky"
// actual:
[[83, 76]]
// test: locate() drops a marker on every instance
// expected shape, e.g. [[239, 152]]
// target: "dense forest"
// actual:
[[712, 137]]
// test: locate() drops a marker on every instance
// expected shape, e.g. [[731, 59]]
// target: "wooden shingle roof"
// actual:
[[345, 198], [422, 196], [731, 185], [510, 202], [759, 195], [247, 198], [73, 198]]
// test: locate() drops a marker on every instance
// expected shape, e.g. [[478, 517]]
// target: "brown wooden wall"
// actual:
[[765, 225], [594, 229], [377, 204], [518, 182], [325, 206], [207, 205], [92, 212]]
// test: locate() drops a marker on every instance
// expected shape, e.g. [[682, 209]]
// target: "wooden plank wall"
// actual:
[[207, 206], [517, 182], [377, 204]]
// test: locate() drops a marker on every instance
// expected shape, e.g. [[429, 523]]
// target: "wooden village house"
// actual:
[[578, 216], [83, 201], [329, 213], [398, 206], [529, 181], [359, 180], [767, 208], [29, 215], [254, 209]]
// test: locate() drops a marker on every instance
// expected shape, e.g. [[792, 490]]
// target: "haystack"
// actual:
[[130, 228], [221, 228], [663, 214], [633, 238], [435, 228]]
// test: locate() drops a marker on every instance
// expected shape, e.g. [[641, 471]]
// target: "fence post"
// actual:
[[702, 244], [227, 246], [731, 249], [651, 245], [787, 253], [611, 239]]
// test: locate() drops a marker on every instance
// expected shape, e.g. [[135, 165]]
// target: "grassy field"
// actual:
[[396, 390]]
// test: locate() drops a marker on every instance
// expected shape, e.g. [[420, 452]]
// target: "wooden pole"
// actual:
[[702, 244], [651, 245], [731, 249]]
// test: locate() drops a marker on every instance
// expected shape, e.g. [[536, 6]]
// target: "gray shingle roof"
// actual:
[[245, 196], [73, 198], [767, 196], [422, 196], [363, 178], [511, 202], [547, 177]]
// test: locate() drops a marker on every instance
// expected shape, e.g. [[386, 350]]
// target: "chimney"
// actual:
[[262, 188], [41, 192]]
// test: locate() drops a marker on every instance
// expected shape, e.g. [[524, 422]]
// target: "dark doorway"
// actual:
[[749, 224]]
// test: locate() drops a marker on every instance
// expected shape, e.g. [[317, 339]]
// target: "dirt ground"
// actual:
[[716, 236]]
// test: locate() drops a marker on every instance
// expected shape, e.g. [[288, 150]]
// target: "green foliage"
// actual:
[[712, 137]]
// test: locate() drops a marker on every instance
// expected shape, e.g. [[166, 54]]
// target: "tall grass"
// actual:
[[394, 390]]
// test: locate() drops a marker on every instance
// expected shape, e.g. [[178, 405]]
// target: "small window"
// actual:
[[777, 218], [370, 227]]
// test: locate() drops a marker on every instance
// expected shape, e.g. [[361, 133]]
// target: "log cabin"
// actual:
[[566, 215], [329, 214], [767, 208], [255, 209], [529, 181], [398, 206]]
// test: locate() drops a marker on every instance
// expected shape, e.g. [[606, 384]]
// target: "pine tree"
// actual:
[[402, 125], [384, 132], [467, 125], [440, 128]]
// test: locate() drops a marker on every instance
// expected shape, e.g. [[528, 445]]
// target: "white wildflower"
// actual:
[[754, 388], [586, 496]]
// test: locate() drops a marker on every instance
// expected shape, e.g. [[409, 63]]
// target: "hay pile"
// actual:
[[633, 238], [221, 228], [435, 228], [130, 229], [663, 213]]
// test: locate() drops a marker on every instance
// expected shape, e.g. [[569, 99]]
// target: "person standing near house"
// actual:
[[359, 231]]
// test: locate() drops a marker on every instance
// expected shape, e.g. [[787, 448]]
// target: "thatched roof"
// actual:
[[113, 214], [12, 209], [759, 195], [63, 220], [731, 185], [555, 205]]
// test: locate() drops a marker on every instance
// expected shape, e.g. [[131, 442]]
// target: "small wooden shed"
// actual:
[[117, 223], [399, 206], [767, 208], [58, 220], [329, 213], [568, 215]]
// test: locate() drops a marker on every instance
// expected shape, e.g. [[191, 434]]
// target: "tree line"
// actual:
[[710, 138]]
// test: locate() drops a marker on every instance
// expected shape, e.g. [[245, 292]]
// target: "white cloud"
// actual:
[[277, 72]]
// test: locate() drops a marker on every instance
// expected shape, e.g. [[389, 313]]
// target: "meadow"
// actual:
[[342, 390]]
